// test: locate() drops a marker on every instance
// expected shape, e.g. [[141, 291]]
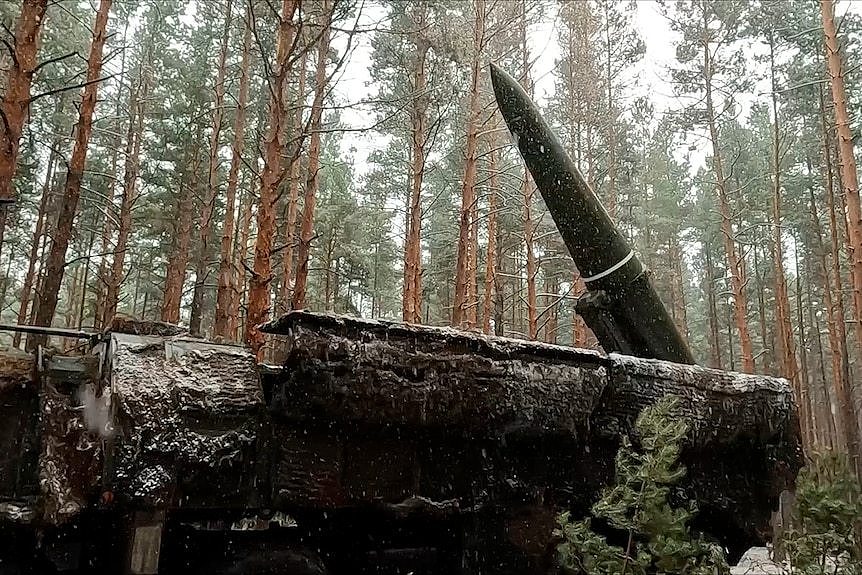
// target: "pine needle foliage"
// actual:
[[658, 539], [825, 535]]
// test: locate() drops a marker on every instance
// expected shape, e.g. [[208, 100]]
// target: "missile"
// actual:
[[621, 305]]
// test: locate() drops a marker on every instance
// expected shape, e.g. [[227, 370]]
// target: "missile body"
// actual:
[[621, 307]]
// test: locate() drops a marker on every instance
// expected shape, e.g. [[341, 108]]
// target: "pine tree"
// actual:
[[656, 534]]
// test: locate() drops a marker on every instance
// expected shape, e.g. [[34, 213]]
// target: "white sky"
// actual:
[[353, 83], [651, 73]]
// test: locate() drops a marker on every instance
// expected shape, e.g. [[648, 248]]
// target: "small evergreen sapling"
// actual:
[[657, 536], [825, 536]]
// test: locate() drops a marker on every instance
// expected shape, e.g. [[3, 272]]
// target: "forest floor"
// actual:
[[756, 561]]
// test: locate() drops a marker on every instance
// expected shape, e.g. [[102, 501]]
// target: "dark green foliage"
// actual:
[[656, 534], [825, 538]]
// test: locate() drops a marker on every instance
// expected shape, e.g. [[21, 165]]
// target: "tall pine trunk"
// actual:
[[491, 252], [41, 216], [312, 183], [181, 242], [528, 190], [789, 368], [293, 192], [412, 291], [16, 101], [712, 311], [202, 263], [55, 265], [224, 293], [464, 309], [270, 178], [854, 210], [735, 261], [239, 269], [129, 196]]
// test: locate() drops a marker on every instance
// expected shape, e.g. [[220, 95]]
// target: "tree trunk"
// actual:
[[464, 309], [491, 253], [180, 244], [16, 101], [130, 180], [270, 177], [306, 228], [712, 311], [56, 262], [293, 197], [27, 288], [678, 308], [735, 262], [610, 121], [224, 294], [203, 254], [789, 367], [854, 210], [239, 269], [834, 292], [528, 189], [412, 292]]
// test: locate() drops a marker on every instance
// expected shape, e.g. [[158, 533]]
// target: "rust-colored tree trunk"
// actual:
[[312, 182], [610, 121], [840, 354], [712, 311], [41, 216], [412, 292], [239, 269], [181, 242], [528, 190], [853, 215], [55, 265], [789, 368], [678, 303], [226, 287], [16, 100], [491, 253], [735, 262], [205, 228], [293, 193], [464, 309], [129, 196], [270, 178]]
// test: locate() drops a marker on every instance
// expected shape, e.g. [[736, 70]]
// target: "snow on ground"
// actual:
[[756, 561]]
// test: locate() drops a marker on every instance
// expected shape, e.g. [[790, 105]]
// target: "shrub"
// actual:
[[658, 539]]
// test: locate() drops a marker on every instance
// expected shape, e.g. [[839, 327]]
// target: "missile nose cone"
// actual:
[[507, 92]]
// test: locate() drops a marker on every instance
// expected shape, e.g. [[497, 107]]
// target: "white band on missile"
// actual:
[[611, 269]]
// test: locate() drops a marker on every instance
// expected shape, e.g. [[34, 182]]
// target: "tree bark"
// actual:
[[610, 121], [491, 252], [464, 309], [789, 368], [293, 191], [270, 177], [202, 263], [851, 195], [528, 189], [226, 287], [181, 242], [312, 183], [55, 265], [16, 101], [130, 180], [412, 291], [41, 216], [712, 311], [239, 269], [735, 262]]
